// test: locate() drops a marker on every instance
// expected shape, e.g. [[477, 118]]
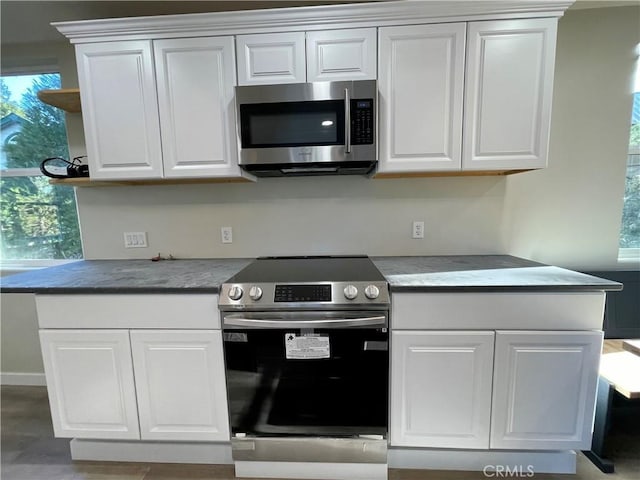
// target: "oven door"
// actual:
[[307, 374]]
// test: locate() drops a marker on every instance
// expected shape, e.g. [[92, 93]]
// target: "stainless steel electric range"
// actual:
[[306, 351]]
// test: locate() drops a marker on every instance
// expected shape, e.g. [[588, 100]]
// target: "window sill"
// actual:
[[10, 267], [629, 259]]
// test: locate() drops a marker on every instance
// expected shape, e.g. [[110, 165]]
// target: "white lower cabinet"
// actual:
[[535, 391], [90, 383], [180, 384], [94, 378], [544, 389], [441, 389]]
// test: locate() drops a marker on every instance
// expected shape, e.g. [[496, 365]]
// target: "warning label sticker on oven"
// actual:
[[306, 346]]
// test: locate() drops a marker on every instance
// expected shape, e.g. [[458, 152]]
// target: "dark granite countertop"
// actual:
[[127, 276], [483, 273], [405, 274]]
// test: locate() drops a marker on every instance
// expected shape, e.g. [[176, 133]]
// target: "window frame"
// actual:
[[629, 257], [23, 265]]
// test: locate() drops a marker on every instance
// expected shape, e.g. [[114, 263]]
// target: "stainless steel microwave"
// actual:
[[323, 128]]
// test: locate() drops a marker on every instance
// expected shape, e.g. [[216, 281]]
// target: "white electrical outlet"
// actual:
[[418, 230], [227, 234], [135, 239]]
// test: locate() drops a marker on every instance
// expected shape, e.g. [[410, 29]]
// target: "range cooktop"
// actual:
[[306, 282]]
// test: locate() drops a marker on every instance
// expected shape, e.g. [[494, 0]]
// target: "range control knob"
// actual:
[[350, 292], [255, 293], [235, 293], [371, 292]]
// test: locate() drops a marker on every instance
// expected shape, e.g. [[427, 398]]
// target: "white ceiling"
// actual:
[[27, 21]]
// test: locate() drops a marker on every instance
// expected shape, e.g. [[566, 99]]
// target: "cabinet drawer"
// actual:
[[498, 310], [128, 311]]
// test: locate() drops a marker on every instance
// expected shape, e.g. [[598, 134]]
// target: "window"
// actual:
[[37, 220], [630, 230]]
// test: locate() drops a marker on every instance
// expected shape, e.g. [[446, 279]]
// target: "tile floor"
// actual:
[[30, 452]]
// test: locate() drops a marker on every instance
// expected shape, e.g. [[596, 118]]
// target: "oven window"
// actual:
[[343, 393], [292, 124]]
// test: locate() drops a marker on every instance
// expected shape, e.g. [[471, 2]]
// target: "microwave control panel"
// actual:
[[362, 120]]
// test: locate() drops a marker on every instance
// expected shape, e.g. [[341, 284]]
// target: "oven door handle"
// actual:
[[241, 321]]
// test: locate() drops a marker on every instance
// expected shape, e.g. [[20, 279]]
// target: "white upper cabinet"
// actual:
[[455, 94], [180, 385], [441, 389], [120, 109], [162, 108], [296, 57], [196, 77], [271, 58], [341, 55], [421, 89], [544, 389], [509, 87]]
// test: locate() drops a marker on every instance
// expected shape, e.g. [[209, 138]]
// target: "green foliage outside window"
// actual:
[[37, 220], [630, 231]]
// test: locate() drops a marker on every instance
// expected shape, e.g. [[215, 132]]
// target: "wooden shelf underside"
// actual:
[[68, 99], [88, 182]]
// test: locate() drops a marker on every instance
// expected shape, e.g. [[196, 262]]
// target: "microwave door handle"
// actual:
[[347, 121], [240, 321]]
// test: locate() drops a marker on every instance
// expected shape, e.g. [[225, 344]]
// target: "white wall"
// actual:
[[569, 214], [297, 216], [21, 359]]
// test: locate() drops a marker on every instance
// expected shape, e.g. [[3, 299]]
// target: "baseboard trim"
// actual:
[[312, 470], [484, 460], [25, 379], [151, 452]]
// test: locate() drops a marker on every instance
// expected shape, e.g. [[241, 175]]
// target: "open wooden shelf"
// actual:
[[88, 182], [68, 99]]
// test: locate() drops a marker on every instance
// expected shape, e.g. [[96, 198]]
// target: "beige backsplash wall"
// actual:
[[568, 214], [318, 215]]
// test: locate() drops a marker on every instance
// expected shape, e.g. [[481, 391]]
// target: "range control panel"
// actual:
[[302, 293], [278, 296]]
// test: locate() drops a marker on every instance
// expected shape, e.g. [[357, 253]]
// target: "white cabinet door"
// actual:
[[271, 58], [196, 77], [120, 109], [508, 97], [421, 88], [90, 383], [341, 55], [441, 389], [180, 384], [544, 389]]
